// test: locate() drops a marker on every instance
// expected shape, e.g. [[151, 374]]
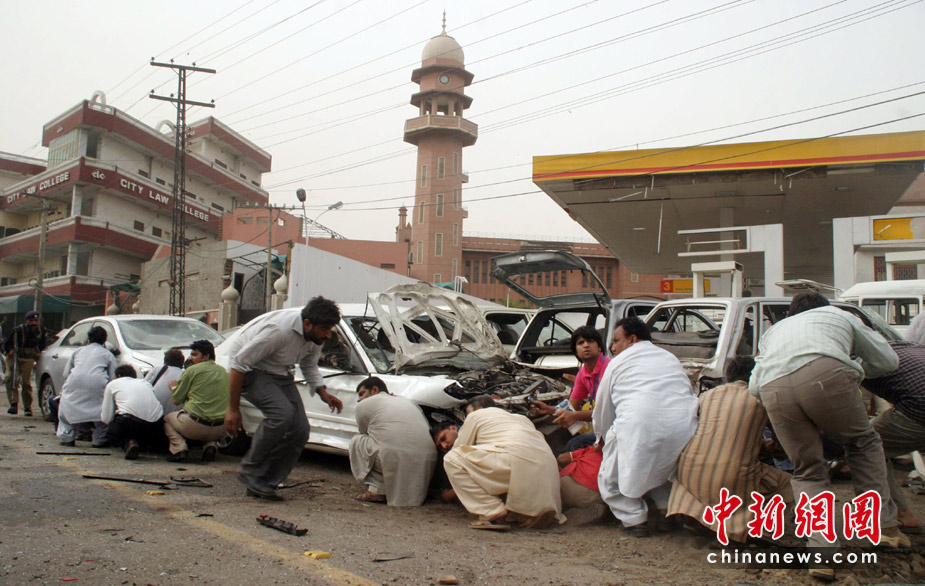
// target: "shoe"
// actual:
[[894, 539], [208, 454], [822, 574], [27, 412], [102, 445], [258, 489], [178, 457], [84, 437], [14, 408], [131, 450], [70, 444], [641, 530]]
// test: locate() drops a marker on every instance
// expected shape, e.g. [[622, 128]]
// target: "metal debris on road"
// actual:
[[317, 554], [310, 483], [391, 557], [73, 453], [280, 525], [205, 515], [190, 481], [162, 483]]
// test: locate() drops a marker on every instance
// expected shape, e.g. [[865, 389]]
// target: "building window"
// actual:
[[547, 279], [609, 277], [555, 279], [439, 205], [455, 163], [64, 148], [455, 234], [387, 265], [467, 268], [485, 271], [221, 164], [438, 278], [441, 167], [438, 244], [634, 277], [143, 173], [218, 207], [421, 213], [420, 251], [423, 175], [455, 268], [880, 268], [159, 180], [155, 231], [584, 280], [87, 207], [455, 198], [475, 271], [562, 278], [139, 226]]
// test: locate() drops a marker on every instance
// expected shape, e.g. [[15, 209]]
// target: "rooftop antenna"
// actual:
[[444, 22]]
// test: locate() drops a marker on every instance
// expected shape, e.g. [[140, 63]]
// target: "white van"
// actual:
[[897, 302]]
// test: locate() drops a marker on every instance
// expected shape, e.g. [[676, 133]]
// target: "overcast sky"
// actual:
[[324, 85]]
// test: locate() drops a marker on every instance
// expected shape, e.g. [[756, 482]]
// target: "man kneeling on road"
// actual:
[[393, 453], [203, 392], [132, 412], [262, 371], [496, 453]]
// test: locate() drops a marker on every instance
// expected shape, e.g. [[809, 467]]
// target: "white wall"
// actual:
[[317, 272]]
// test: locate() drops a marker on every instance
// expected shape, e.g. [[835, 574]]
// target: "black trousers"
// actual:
[[149, 435]]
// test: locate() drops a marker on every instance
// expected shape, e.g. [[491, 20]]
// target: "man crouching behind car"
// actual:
[[262, 370]]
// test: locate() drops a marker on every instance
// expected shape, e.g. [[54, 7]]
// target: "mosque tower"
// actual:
[[440, 132]]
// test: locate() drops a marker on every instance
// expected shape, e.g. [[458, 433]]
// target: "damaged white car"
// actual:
[[427, 344]]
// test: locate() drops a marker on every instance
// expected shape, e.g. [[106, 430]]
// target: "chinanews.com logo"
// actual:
[[812, 516]]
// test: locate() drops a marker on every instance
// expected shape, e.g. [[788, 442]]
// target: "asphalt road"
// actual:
[[57, 526]]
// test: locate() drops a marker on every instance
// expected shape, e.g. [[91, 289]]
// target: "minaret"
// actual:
[[440, 133]]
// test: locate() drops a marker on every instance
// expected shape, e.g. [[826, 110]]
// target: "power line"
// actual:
[[578, 103]]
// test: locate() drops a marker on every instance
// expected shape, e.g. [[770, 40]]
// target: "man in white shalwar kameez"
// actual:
[[645, 413], [393, 453], [495, 453], [85, 377]]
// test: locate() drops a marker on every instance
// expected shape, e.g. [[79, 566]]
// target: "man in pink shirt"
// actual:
[[588, 346]]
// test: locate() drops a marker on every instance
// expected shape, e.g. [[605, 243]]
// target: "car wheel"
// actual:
[[234, 445], [46, 392]]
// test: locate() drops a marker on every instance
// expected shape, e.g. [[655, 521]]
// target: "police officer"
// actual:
[[22, 347]]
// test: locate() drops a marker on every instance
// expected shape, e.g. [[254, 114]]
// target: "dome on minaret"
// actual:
[[443, 47]]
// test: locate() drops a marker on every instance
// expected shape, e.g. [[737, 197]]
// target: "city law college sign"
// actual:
[[110, 178]]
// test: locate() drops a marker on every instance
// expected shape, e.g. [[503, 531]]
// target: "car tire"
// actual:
[[234, 445], [46, 392]]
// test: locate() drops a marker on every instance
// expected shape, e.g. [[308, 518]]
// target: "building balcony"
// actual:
[[436, 124]]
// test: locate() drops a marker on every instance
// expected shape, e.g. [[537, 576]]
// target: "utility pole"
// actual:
[[269, 280], [39, 280], [178, 243]]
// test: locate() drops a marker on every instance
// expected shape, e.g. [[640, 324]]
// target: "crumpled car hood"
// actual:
[[426, 324]]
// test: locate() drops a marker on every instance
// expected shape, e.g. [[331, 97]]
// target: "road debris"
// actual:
[[154, 492], [205, 515], [73, 453], [280, 525], [391, 557], [162, 483], [190, 481], [310, 483], [317, 554], [448, 579]]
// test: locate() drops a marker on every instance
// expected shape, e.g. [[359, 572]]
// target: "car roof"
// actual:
[[136, 316]]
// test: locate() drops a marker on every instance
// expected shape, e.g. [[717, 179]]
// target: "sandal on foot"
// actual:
[[370, 497], [489, 526]]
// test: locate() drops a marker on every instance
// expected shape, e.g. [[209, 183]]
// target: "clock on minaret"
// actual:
[[440, 133]]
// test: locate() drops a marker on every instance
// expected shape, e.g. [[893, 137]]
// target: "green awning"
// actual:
[[24, 303]]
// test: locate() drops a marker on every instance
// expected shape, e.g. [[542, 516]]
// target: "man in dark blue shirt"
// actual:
[[902, 428]]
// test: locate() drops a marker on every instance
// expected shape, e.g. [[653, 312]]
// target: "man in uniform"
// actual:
[[22, 348]]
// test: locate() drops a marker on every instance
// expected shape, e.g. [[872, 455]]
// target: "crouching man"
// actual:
[[132, 412], [392, 453], [495, 453], [203, 392]]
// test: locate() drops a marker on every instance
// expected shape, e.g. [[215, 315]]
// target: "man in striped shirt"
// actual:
[[724, 454]]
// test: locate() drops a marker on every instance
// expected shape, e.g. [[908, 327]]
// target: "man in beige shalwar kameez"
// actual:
[[496, 453], [393, 453]]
